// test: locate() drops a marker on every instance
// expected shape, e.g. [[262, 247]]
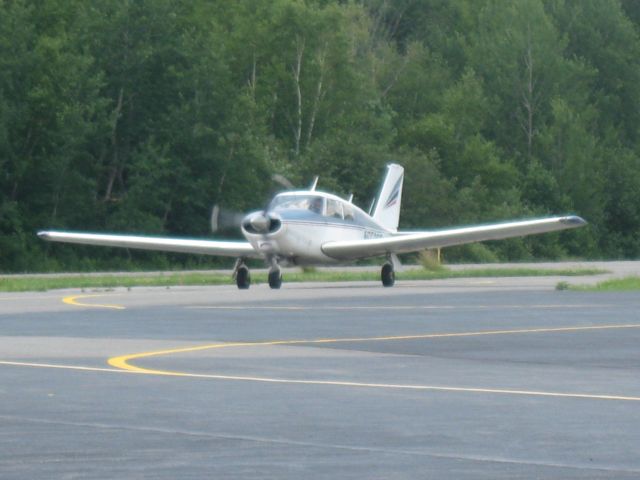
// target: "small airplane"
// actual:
[[310, 227]]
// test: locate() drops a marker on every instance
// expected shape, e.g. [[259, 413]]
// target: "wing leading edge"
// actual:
[[205, 247], [414, 241]]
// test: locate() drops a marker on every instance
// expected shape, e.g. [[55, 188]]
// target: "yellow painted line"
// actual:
[[122, 362], [73, 300], [436, 388]]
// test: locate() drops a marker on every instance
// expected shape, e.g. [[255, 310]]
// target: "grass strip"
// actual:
[[43, 283], [626, 284], [444, 273]]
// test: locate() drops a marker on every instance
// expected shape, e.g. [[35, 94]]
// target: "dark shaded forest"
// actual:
[[138, 116]]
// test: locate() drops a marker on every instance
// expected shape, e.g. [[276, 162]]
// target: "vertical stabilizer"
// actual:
[[387, 212]]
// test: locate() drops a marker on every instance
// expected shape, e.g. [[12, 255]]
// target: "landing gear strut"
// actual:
[[275, 278], [388, 276], [241, 273], [275, 275]]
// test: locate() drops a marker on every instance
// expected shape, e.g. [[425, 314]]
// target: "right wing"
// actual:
[[164, 244], [414, 241]]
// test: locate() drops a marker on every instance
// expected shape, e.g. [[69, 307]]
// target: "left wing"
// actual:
[[180, 245], [414, 241]]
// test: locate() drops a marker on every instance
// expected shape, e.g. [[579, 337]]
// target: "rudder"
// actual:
[[387, 212]]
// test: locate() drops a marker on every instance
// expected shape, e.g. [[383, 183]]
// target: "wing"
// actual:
[[206, 247], [414, 241]]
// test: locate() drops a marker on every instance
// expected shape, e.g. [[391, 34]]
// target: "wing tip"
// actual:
[[573, 221], [44, 235]]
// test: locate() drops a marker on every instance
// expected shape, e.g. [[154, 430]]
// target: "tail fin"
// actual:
[[387, 212]]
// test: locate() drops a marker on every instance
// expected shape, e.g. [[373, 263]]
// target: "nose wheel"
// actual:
[[275, 278], [387, 275]]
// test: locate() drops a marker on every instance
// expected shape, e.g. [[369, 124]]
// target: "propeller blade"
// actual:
[[223, 219], [282, 180]]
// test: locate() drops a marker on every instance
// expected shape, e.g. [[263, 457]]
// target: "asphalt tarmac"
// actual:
[[466, 378]]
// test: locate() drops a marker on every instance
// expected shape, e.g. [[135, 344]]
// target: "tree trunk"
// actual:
[[529, 95], [113, 172], [297, 129], [319, 94]]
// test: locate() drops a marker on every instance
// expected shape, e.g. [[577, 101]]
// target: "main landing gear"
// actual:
[[243, 277], [387, 275]]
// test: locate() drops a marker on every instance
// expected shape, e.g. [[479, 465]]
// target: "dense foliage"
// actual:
[[122, 115]]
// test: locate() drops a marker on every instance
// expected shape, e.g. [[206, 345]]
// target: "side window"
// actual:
[[348, 212], [334, 208]]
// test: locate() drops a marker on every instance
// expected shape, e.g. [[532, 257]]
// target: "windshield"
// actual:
[[312, 203]]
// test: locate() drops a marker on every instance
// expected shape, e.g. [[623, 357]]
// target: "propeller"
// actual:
[[282, 180], [224, 219]]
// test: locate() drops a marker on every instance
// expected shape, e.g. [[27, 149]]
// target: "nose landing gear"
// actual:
[[275, 275], [275, 278]]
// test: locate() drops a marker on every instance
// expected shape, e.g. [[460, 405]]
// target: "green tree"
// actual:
[[51, 108]]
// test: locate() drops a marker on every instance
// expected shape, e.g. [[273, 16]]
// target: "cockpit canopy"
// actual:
[[313, 203], [317, 204]]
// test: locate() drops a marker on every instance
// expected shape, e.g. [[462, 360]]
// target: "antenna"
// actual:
[[314, 184], [350, 199]]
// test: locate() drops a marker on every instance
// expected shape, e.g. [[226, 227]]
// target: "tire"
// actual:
[[388, 276], [243, 278], [275, 279]]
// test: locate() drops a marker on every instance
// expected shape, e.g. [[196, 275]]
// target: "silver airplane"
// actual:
[[309, 227]]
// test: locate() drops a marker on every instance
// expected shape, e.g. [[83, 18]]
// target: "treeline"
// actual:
[[138, 116]]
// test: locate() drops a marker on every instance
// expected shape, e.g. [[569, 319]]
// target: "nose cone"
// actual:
[[261, 223]]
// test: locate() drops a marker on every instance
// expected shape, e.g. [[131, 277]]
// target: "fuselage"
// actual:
[[296, 225]]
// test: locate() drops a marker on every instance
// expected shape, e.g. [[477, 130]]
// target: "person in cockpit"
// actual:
[[316, 205]]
